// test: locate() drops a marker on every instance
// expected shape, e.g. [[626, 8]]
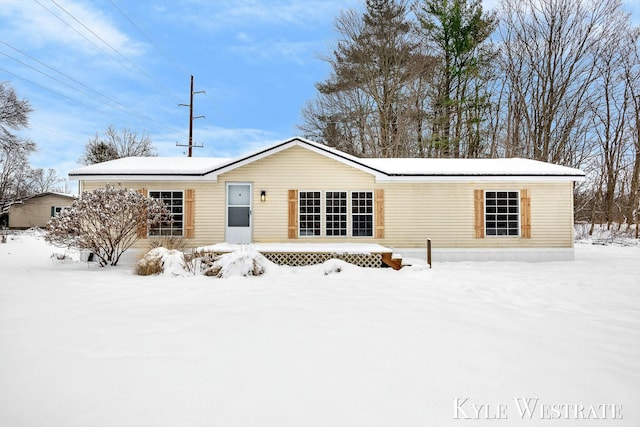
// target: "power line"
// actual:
[[79, 33], [162, 51], [125, 66], [63, 74], [56, 79], [123, 108], [114, 49], [116, 59], [55, 92]]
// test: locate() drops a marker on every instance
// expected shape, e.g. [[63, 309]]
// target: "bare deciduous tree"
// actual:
[[14, 114], [114, 144], [14, 151], [42, 181], [550, 49]]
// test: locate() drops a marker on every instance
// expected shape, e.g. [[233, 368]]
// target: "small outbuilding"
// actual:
[[300, 191], [36, 211]]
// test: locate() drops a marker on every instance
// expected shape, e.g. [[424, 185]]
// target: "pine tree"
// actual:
[[361, 107], [457, 31]]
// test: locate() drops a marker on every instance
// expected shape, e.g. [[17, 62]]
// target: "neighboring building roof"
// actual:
[[51, 193], [195, 168], [5, 209], [48, 193]]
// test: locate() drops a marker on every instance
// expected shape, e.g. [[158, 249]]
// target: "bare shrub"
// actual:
[[106, 221], [169, 242], [147, 266]]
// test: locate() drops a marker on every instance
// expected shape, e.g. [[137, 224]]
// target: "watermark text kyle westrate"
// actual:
[[534, 408]]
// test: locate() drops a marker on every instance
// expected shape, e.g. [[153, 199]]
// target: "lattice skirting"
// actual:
[[304, 258]]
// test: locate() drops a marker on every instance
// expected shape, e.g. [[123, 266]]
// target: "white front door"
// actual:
[[238, 213]]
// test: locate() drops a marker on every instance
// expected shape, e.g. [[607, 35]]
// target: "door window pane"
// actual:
[[239, 195], [239, 216]]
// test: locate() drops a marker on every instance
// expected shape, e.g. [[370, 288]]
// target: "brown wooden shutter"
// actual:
[[189, 213], [525, 214], [293, 214], [478, 206], [379, 213], [142, 229]]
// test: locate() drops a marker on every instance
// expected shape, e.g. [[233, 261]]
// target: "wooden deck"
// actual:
[[299, 254]]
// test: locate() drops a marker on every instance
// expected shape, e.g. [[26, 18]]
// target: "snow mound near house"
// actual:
[[334, 265], [243, 262], [162, 261]]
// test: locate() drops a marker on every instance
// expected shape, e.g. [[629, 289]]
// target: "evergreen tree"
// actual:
[[362, 106], [457, 31]]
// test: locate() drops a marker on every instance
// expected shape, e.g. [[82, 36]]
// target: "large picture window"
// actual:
[[336, 213], [502, 213], [174, 201], [310, 213], [362, 213]]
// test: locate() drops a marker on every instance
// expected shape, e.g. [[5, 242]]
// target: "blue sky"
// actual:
[[256, 60], [86, 64]]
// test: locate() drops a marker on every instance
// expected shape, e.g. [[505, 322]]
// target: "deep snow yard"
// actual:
[[87, 346]]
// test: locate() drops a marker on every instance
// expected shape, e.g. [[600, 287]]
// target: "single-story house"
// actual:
[[36, 211], [300, 191]]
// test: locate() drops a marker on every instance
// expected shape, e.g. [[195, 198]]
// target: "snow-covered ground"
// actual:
[[311, 346]]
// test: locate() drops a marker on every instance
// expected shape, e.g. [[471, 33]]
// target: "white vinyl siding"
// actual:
[[413, 211]]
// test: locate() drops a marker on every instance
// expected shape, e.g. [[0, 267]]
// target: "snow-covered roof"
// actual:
[[464, 167], [52, 193], [152, 166], [196, 168]]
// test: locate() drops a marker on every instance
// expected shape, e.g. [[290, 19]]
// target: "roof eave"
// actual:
[[480, 177]]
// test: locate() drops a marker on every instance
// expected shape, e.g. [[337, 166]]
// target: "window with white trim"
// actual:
[[362, 213], [174, 201], [55, 210], [336, 213], [310, 213], [502, 213]]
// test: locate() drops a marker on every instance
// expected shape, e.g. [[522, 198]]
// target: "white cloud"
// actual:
[[297, 52]]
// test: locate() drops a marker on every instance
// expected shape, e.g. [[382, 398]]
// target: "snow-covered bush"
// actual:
[[333, 266], [107, 222], [243, 262], [161, 260], [150, 264]]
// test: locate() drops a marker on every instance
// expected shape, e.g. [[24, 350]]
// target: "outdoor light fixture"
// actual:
[[263, 196]]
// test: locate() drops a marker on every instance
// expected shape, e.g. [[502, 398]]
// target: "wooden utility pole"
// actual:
[[191, 117]]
